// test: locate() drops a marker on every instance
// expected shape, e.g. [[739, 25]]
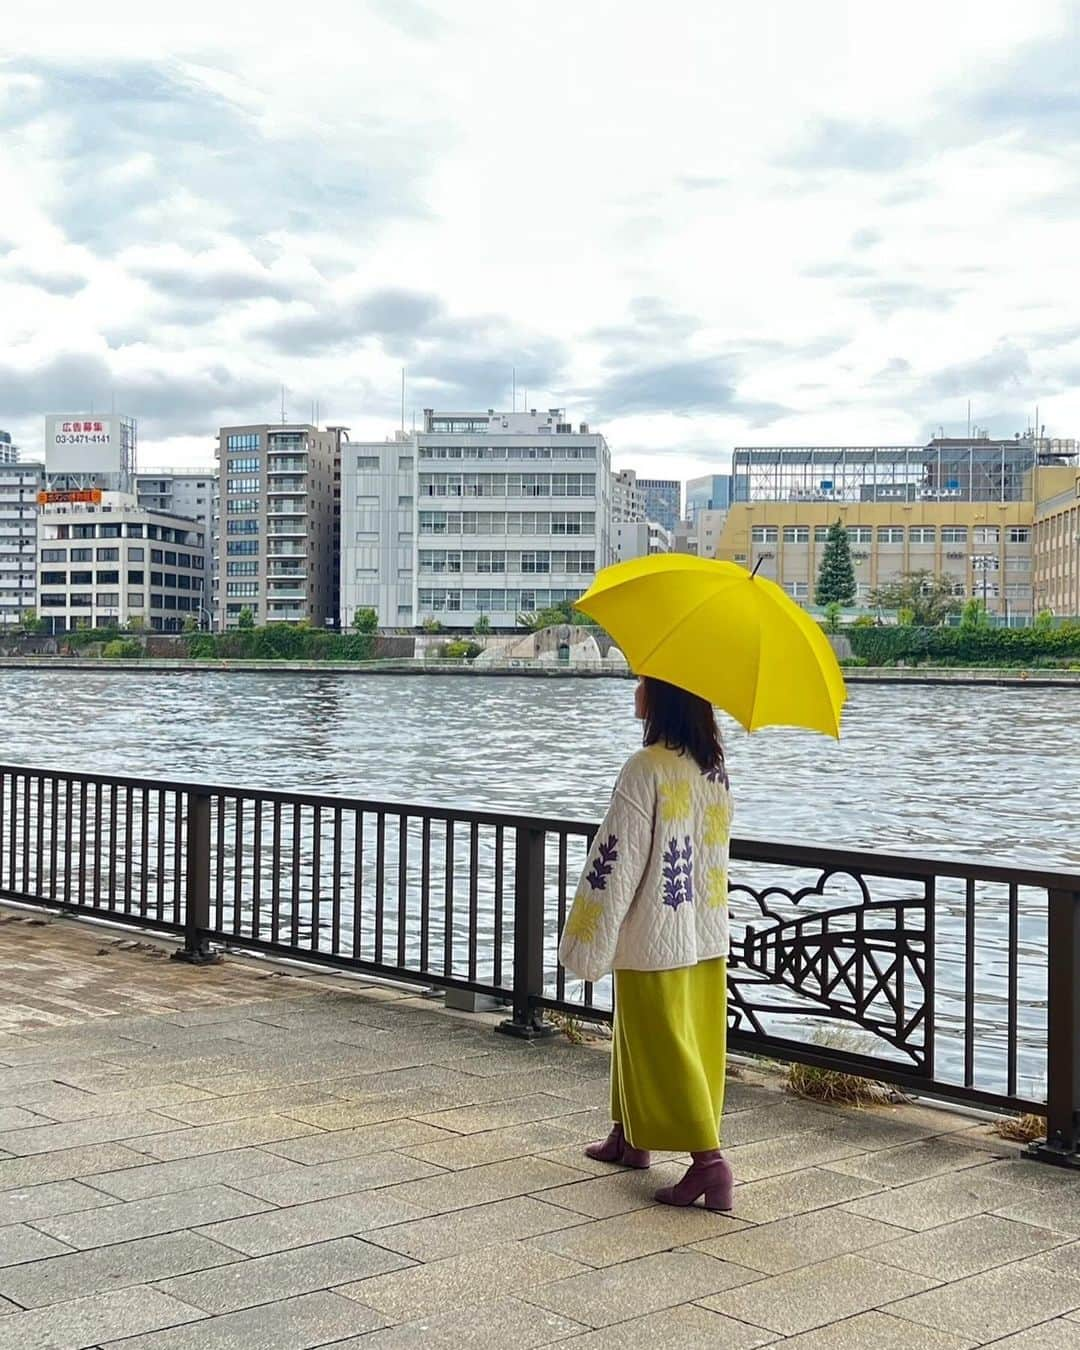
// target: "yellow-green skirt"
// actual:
[[668, 1057]]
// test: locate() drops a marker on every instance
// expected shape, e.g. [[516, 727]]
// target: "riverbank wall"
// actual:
[[1030, 678]]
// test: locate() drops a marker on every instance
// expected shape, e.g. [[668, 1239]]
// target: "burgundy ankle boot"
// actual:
[[616, 1149], [709, 1177]]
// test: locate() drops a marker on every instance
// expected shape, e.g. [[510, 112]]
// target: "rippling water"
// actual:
[[960, 771]]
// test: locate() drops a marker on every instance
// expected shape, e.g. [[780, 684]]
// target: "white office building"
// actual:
[[491, 514], [640, 539], [19, 487], [9, 453], [106, 561]]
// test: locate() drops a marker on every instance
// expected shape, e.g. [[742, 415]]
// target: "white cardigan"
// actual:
[[653, 895]]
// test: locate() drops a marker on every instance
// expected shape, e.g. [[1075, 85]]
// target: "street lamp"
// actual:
[[984, 563]]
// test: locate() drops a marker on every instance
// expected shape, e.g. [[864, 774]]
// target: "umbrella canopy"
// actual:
[[716, 630]]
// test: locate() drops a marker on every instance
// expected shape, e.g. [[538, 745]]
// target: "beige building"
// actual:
[[963, 509], [1057, 543], [277, 532]]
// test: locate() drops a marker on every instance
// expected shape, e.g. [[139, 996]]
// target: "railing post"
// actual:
[[1062, 1143], [196, 949], [528, 1020]]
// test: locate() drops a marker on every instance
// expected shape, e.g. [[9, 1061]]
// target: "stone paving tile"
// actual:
[[617, 1192], [994, 1303], [496, 1326], [88, 1321], [878, 1330], [928, 1204], [781, 1120], [471, 1277], [18, 1118], [774, 1157], [72, 1134], [143, 1218], [40, 1283], [686, 1328], [199, 1139], [340, 1178], [796, 1193], [966, 1247], [332, 1146], [351, 1114], [54, 1197], [477, 1185], [1058, 1210], [802, 1240], [1060, 1334], [583, 1127], [218, 1110], [159, 1178], [813, 1296], [912, 1162], [19, 1243], [513, 1141], [293, 1324], [443, 1235], [639, 1233], [386, 1082], [65, 1103], [1064, 1259], [632, 1289], [516, 1111], [299, 1225], [266, 1279]]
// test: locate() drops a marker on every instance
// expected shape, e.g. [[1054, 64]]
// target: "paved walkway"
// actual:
[[236, 1159]]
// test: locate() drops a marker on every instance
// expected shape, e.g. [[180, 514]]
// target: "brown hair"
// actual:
[[682, 721]]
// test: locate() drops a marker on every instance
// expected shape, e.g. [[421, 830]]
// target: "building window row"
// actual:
[[245, 464], [243, 569], [242, 506], [241, 546], [508, 522], [508, 452], [491, 601], [242, 527], [891, 534], [242, 588], [435, 561], [247, 440], [507, 484], [243, 484]]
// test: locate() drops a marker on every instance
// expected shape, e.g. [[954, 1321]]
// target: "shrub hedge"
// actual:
[[964, 646], [281, 642]]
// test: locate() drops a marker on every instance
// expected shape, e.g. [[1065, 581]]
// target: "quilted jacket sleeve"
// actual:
[[617, 862]]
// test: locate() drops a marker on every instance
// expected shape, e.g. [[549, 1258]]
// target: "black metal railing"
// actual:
[[950, 979]]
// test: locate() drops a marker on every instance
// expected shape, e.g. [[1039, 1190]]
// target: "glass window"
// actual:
[[954, 534], [134, 531], [240, 506], [1018, 534], [156, 555], [136, 599], [243, 465], [890, 534], [53, 578], [243, 485], [247, 440], [243, 568], [136, 554], [240, 546], [763, 534], [796, 534], [108, 600], [82, 578], [986, 534], [821, 534], [82, 531], [170, 558], [108, 555], [922, 534], [860, 534], [80, 600], [108, 577], [82, 554], [109, 532], [367, 461], [136, 578], [54, 555]]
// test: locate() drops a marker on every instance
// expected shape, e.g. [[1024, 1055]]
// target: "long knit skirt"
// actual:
[[668, 1056]]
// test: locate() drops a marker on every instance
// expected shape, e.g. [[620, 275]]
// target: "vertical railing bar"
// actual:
[[969, 983], [39, 860], [358, 885], [497, 918], [129, 813], [448, 903], [82, 842], [930, 980], [53, 834], [335, 898], [113, 823], [12, 877], [238, 866], [3, 799], [275, 877], [219, 805], [179, 870], [256, 868], [26, 836], [380, 881], [474, 896], [425, 892], [97, 842], [316, 879], [560, 973], [69, 788], [160, 848], [403, 887], [295, 909], [144, 847], [1012, 1046]]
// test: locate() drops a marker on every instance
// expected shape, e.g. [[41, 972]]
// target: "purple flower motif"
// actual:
[[607, 855], [718, 774], [678, 873]]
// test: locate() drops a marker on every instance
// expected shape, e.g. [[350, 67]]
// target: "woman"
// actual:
[[652, 907]]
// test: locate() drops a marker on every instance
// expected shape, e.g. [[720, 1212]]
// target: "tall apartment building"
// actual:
[[9, 453], [277, 528], [960, 508], [104, 560], [627, 498], [489, 514], [663, 501], [19, 487]]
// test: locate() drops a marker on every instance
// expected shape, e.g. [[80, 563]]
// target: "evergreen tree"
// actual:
[[836, 576]]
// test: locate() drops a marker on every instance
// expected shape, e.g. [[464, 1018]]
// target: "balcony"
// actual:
[[284, 445], [292, 615], [292, 571], [281, 594], [283, 465], [287, 551], [287, 486], [288, 507]]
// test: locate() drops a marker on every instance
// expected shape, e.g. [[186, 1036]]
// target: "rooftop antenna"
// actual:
[[317, 412], [969, 420], [403, 400], [282, 405], [514, 368]]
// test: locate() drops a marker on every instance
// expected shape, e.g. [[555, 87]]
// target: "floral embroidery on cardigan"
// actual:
[[675, 799], [679, 873], [716, 887], [584, 919], [607, 855], [717, 822]]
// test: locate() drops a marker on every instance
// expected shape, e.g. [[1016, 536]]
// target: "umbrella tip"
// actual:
[[757, 565]]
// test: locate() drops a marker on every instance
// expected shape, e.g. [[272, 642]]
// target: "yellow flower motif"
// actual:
[[584, 918], [718, 822], [716, 887], [674, 800]]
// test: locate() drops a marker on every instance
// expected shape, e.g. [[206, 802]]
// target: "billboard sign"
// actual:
[[91, 496], [80, 443]]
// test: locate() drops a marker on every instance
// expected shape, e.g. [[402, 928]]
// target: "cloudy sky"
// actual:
[[695, 224]]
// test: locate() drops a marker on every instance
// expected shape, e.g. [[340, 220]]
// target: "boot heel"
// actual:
[[720, 1199]]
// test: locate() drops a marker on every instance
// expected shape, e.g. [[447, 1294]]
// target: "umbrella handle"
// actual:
[[757, 565]]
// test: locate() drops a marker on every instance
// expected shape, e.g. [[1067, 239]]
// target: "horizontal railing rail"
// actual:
[[949, 978]]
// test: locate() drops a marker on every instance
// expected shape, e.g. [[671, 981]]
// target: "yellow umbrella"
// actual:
[[733, 638]]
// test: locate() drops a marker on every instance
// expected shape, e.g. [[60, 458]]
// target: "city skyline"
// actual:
[[797, 228]]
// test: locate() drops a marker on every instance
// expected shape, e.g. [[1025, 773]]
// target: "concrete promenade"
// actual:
[[240, 1158]]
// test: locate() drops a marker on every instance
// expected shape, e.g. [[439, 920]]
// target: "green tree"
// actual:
[[365, 620], [246, 618], [836, 575], [32, 622], [928, 598], [190, 624], [974, 615], [832, 616], [482, 625]]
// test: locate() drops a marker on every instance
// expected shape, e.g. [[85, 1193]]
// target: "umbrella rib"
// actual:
[[815, 663]]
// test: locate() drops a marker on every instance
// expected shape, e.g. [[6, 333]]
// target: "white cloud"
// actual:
[[696, 227]]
